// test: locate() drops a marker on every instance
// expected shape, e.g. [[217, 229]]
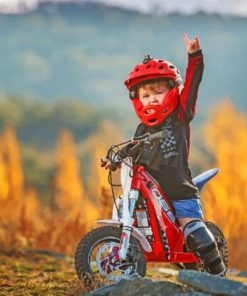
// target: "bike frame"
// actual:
[[165, 241], [168, 239]]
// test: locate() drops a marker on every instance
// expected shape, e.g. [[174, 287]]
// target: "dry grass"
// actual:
[[38, 274]]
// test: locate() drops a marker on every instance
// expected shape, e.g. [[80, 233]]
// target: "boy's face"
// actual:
[[153, 93]]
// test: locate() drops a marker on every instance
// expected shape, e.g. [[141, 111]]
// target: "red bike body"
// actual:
[[167, 239]]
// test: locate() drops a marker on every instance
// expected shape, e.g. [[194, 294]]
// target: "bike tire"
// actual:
[[90, 241]]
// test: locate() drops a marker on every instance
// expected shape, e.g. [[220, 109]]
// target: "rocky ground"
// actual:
[[45, 273], [187, 283]]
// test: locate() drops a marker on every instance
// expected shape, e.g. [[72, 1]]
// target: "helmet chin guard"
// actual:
[[152, 115]]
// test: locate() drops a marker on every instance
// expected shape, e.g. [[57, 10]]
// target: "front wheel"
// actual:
[[96, 257]]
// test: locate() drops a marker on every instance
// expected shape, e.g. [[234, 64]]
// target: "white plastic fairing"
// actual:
[[141, 238], [109, 222], [119, 203], [126, 171], [136, 233]]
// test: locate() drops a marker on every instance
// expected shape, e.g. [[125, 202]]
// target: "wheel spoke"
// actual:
[[109, 269]]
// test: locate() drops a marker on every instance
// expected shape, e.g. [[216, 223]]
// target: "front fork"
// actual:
[[127, 221]]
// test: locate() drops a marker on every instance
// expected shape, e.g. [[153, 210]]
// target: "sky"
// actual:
[[232, 7]]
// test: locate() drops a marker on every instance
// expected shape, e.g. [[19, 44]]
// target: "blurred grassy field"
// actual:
[[38, 274], [35, 274]]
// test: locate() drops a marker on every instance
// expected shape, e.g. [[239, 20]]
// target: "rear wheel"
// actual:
[[221, 243], [95, 258]]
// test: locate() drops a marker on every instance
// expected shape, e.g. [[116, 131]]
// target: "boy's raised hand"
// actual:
[[192, 45]]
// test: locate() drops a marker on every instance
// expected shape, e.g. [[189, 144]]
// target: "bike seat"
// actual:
[[204, 177]]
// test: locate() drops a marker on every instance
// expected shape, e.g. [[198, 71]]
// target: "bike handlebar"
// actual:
[[137, 141], [151, 137], [159, 135]]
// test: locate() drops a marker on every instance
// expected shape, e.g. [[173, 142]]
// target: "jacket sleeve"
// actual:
[[193, 78]]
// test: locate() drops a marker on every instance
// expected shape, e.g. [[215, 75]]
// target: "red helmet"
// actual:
[[150, 69]]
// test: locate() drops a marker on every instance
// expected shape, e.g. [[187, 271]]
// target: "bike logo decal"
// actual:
[[163, 204]]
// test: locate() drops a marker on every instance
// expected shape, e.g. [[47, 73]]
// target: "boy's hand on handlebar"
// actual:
[[108, 165]]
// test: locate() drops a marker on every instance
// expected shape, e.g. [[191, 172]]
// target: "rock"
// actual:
[[236, 272], [213, 284], [242, 274], [138, 286], [193, 294], [232, 272], [104, 291]]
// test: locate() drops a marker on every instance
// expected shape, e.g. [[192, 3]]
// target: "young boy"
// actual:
[[163, 102]]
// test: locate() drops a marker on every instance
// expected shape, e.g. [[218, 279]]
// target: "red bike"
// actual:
[[143, 227]]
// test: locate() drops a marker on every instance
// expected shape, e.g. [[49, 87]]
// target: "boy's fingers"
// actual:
[[197, 41], [185, 38], [191, 44]]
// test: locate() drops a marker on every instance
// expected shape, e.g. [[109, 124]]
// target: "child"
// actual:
[[163, 102]]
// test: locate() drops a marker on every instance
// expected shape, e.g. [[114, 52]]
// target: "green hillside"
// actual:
[[86, 51], [63, 66]]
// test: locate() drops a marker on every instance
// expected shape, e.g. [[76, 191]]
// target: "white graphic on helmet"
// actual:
[[179, 79]]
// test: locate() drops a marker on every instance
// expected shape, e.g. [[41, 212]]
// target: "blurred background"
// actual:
[[63, 103]]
